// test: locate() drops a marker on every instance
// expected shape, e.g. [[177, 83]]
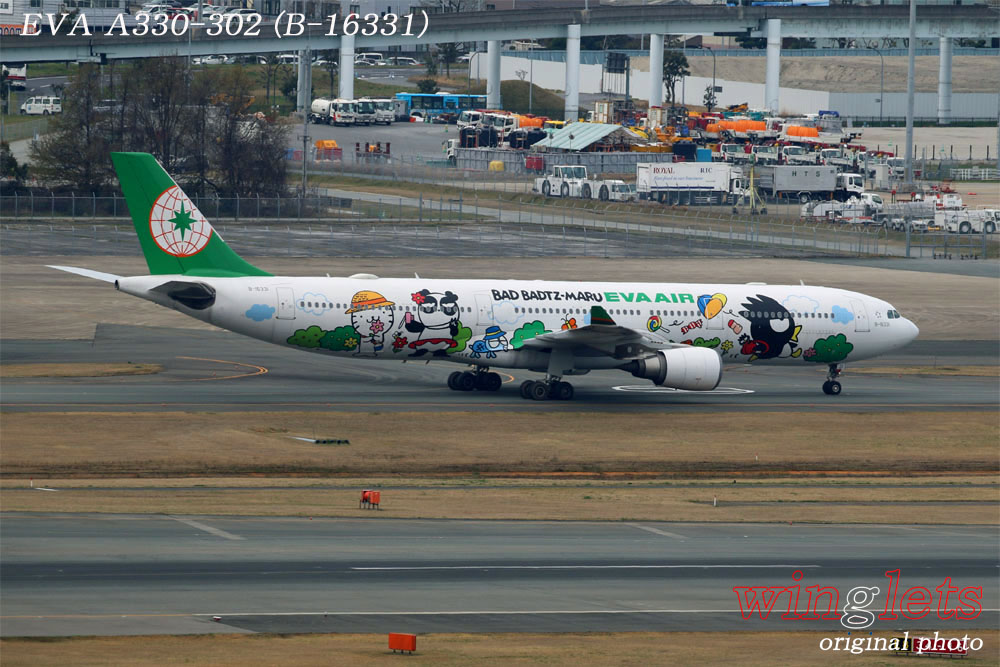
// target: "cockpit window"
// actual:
[[894, 315]]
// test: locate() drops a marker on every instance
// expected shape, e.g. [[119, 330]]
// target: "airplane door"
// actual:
[[860, 315], [286, 303], [484, 308]]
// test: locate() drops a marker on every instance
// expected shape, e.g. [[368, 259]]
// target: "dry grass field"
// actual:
[[80, 370], [108, 444], [443, 650]]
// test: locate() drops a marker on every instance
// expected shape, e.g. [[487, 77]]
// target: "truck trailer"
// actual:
[[689, 182], [807, 183]]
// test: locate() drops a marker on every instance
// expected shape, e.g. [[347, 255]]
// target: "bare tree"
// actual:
[[76, 149]]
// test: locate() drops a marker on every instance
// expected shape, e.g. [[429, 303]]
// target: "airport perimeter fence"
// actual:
[[457, 226]]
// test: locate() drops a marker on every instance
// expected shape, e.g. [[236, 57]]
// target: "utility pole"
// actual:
[[911, 54]]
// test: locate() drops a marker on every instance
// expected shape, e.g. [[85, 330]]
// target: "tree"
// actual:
[[675, 67], [77, 146], [10, 170], [331, 56], [709, 100], [427, 86], [448, 54], [432, 68], [270, 72], [747, 42]]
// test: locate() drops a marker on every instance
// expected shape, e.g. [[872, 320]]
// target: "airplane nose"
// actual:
[[912, 331]]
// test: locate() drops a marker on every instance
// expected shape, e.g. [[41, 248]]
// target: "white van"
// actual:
[[41, 106]]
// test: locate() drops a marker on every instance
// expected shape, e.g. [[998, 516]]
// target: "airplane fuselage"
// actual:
[[487, 322]]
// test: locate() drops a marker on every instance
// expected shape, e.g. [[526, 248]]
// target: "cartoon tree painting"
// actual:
[[527, 332], [307, 337], [462, 338], [340, 339], [829, 350]]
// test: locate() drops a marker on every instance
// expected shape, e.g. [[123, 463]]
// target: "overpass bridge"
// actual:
[[943, 22]]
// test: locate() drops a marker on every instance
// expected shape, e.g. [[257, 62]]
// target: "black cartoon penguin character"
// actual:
[[771, 328], [435, 323]]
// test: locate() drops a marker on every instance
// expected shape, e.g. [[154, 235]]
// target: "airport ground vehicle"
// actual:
[[688, 181], [807, 183], [17, 75], [573, 181], [364, 111], [41, 106], [968, 221], [333, 112], [385, 109]]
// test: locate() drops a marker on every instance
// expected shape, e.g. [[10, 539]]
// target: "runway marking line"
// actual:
[[208, 529], [657, 531], [394, 613], [579, 567], [260, 370]]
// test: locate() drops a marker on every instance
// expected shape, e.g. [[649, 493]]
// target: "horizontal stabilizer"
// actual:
[[89, 273]]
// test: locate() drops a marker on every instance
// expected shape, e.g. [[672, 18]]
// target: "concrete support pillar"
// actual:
[[493, 74], [773, 72], [944, 83], [303, 96], [572, 109], [346, 84], [655, 70]]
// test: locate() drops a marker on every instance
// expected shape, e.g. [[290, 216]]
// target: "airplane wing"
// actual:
[[97, 275], [604, 335]]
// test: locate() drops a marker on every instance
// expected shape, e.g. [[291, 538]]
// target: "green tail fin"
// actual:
[[174, 235]]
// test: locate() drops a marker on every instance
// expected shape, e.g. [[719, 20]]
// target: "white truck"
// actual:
[[364, 111], [798, 155], [968, 221], [385, 109], [469, 118], [808, 183], [319, 110], [673, 182], [343, 112], [836, 157], [864, 209]]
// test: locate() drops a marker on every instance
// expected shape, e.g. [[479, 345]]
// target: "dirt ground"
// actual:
[[43, 303], [758, 649], [969, 74]]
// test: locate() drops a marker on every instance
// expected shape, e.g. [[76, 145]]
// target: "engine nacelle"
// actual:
[[690, 368]]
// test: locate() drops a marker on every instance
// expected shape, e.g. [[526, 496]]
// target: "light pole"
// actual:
[[881, 82]]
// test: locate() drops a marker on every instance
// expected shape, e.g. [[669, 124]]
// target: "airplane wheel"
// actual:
[[493, 382], [453, 380], [526, 388], [831, 388], [539, 391], [466, 381], [562, 391]]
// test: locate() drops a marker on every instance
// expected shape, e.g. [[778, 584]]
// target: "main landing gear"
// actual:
[[541, 390], [481, 379], [831, 387]]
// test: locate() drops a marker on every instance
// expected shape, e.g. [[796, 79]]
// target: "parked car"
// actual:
[[465, 57], [242, 12], [41, 106], [210, 60], [403, 61], [323, 62], [288, 59]]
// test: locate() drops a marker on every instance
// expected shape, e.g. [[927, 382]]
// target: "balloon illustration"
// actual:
[[713, 304], [654, 323]]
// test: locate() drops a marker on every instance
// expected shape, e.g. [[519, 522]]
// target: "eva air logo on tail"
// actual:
[[177, 226]]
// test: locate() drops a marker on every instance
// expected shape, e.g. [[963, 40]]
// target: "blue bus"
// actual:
[[430, 105]]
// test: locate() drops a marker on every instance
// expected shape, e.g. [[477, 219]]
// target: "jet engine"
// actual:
[[689, 368]]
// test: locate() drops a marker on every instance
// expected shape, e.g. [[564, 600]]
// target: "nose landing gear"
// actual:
[[481, 379], [832, 387]]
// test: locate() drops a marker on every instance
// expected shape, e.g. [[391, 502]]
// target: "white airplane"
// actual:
[[676, 335]]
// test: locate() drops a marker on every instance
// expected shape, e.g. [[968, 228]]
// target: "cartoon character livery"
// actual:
[[372, 316], [676, 335]]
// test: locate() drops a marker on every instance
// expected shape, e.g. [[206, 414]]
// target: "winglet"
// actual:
[[600, 316]]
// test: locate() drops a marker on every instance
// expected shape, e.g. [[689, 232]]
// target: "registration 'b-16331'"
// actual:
[[675, 335]]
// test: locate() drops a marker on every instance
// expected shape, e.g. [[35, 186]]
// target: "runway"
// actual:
[[225, 371], [70, 574]]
